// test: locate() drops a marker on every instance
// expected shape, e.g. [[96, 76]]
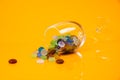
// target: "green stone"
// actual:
[[34, 55], [53, 42], [43, 57], [51, 59]]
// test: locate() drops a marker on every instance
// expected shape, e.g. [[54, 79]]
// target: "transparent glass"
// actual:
[[64, 28]]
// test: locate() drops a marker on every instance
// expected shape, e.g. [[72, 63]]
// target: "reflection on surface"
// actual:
[[66, 30]]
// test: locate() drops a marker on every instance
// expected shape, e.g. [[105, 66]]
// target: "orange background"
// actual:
[[22, 23]]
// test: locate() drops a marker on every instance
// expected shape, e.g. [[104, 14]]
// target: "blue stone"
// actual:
[[39, 54], [69, 41]]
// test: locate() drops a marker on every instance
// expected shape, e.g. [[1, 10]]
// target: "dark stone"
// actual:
[[51, 52], [59, 61], [12, 61]]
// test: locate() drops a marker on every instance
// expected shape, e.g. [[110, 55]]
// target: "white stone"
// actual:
[[61, 44], [40, 61]]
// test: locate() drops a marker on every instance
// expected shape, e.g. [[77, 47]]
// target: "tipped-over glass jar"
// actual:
[[64, 37]]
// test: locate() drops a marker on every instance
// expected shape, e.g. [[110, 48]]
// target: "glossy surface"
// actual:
[[59, 61], [12, 61], [22, 23]]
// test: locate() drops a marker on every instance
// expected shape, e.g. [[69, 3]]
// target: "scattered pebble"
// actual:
[[12, 61], [51, 59], [40, 61], [69, 40], [40, 49], [44, 52], [39, 54], [34, 55], [43, 57], [59, 61], [61, 43], [51, 52]]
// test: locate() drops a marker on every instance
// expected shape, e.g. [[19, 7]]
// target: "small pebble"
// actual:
[[43, 57], [51, 59], [40, 61], [69, 40], [59, 61], [34, 55], [61, 44], [44, 52], [53, 42], [40, 49], [12, 61], [39, 54], [51, 52]]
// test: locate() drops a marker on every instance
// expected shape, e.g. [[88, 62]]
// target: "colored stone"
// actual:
[[51, 59], [40, 61], [44, 52], [53, 42], [69, 40], [34, 55], [61, 43], [51, 52], [41, 48], [39, 54], [59, 61], [43, 57], [12, 61]]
